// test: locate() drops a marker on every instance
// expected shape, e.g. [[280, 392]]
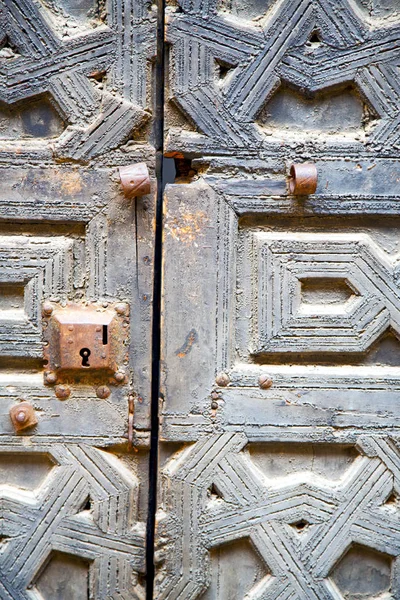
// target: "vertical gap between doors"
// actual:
[[156, 331]]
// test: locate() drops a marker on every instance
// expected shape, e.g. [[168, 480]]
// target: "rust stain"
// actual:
[[187, 227], [173, 154], [190, 339], [71, 183]]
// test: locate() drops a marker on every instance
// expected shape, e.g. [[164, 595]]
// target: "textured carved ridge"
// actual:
[[272, 50], [262, 510], [109, 537]]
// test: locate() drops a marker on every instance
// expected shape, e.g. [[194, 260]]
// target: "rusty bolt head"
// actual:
[[264, 382], [47, 309], [222, 379], [135, 180], [119, 376], [103, 392], [62, 392], [50, 377], [23, 416], [121, 308], [303, 179], [214, 405]]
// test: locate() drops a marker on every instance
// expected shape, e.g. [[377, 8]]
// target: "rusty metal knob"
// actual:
[[303, 179], [135, 180], [23, 416]]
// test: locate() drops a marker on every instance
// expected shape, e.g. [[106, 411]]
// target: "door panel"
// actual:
[[280, 343], [75, 89]]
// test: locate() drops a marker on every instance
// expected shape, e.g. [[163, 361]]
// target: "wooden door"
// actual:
[[280, 397], [76, 259]]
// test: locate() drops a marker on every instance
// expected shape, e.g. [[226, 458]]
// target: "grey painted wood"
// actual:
[[74, 91], [292, 491]]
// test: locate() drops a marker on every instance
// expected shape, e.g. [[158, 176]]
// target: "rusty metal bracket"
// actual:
[[303, 179], [135, 180]]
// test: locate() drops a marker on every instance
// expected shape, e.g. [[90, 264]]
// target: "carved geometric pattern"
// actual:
[[272, 50], [64, 68], [35, 524], [284, 261], [338, 515]]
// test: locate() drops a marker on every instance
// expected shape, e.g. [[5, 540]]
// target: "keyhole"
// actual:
[[85, 353]]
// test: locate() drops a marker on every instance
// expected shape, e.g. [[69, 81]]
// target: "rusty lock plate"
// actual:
[[85, 342]]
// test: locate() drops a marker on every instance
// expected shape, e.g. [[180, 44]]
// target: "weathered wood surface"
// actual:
[[75, 104], [289, 490]]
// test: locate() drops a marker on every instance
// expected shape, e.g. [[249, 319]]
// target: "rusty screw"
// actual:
[[303, 179], [50, 377], [264, 382], [23, 416], [103, 392], [222, 379], [62, 392], [135, 180]]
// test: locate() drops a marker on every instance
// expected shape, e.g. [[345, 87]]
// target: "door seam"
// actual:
[[156, 313]]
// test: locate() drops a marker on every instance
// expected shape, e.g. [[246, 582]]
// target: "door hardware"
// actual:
[[62, 392], [303, 179], [85, 343], [131, 408], [265, 382], [222, 379], [23, 416], [135, 180]]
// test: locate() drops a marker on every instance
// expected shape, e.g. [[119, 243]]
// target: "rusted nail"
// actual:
[[23, 416], [214, 405], [50, 377], [62, 392], [121, 308], [303, 179], [222, 379], [47, 309], [135, 180], [264, 382], [103, 392], [119, 376]]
